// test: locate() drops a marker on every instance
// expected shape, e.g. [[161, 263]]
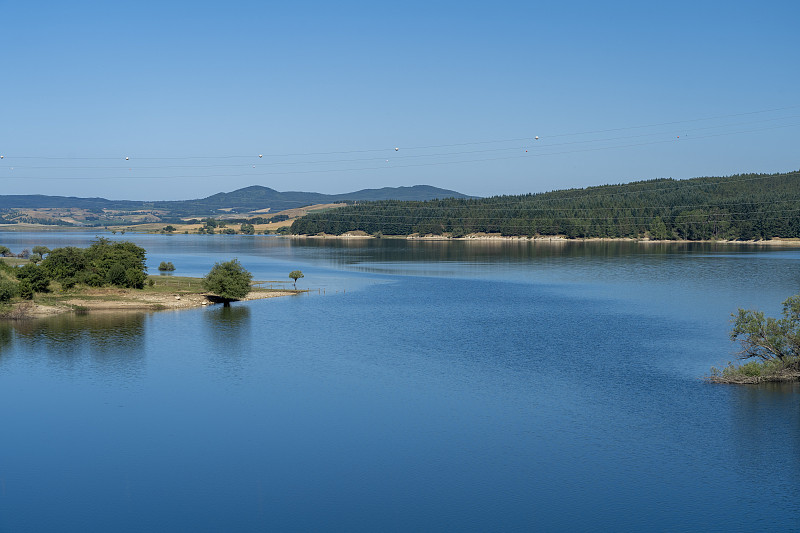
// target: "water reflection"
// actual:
[[115, 341], [229, 334], [6, 336]]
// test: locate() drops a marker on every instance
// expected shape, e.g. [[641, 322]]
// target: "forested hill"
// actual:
[[745, 206]]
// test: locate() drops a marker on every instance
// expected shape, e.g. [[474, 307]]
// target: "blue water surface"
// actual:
[[416, 386]]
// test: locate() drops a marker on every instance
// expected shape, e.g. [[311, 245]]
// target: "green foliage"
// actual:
[[8, 289], [41, 250], [766, 337], [228, 280], [65, 263], [105, 262], [126, 259], [228, 231], [115, 275], [34, 277], [756, 371], [4, 251], [295, 275], [247, 229], [166, 266], [8, 269], [751, 206], [25, 290], [169, 229]]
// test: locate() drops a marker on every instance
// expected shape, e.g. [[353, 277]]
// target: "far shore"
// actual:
[[541, 238], [151, 229]]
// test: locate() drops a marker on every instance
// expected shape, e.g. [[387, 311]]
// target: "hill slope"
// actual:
[[748, 206], [242, 200]]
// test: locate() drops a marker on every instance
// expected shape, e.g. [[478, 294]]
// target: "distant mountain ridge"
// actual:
[[255, 197]]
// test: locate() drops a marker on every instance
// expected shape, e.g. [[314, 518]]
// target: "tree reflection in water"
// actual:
[[114, 341]]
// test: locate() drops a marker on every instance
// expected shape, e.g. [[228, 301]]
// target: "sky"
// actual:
[[179, 100]]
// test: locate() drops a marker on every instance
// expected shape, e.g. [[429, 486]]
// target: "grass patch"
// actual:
[[174, 284], [758, 371], [14, 261]]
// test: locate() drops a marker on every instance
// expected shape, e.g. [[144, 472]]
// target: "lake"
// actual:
[[416, 386]]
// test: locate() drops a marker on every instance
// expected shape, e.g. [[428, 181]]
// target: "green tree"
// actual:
[[295, 275], [229, 280], [117, 263], [66, 263], [766, 337], [34, 276], [658, 230], [4, 251], [166, 266], [8, 289], [41, 250]]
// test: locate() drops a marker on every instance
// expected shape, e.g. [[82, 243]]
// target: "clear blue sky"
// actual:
[[192, 92]]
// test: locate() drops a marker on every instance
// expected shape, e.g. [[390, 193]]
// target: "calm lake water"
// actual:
[[417, 386]]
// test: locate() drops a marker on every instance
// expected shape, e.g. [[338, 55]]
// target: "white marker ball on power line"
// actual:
[[260, 156], [396, 149], [537, 137], [2, 156], [127, 158]]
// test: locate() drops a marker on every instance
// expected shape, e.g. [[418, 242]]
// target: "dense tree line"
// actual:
[[745, 206], [120, 264]]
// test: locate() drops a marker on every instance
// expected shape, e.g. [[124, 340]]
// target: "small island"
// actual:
[[111, 276]]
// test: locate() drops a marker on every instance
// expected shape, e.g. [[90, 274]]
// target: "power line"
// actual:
[[530, 138]]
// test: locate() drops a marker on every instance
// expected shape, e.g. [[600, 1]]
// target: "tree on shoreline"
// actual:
[[769, 338], [295, 275], [229, 280]]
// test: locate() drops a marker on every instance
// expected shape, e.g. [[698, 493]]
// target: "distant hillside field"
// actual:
[[73, 211], [740, 207]]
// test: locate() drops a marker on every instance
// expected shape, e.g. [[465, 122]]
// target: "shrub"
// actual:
[[228, 280], [92, 279], [35, 276], [166, 266], [8, 289], [134, 278], [116, 275], [65, 263], [25, 290]]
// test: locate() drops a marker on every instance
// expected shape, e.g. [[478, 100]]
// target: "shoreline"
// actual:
[[124, 300], [780, 377], [360, 235], [560, 239]]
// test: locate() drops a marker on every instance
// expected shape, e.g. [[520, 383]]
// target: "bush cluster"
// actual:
[[120, 264]]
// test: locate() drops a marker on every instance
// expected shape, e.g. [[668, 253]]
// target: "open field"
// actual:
[[292, 214]]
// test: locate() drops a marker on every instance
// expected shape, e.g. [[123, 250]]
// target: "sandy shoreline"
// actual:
[[128, 300], [356, 235]]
